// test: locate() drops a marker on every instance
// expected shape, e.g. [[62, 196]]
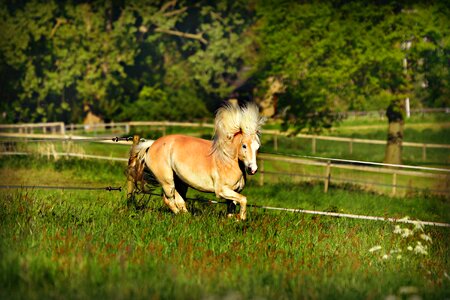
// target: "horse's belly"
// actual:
[[197, 180], [195, 173]]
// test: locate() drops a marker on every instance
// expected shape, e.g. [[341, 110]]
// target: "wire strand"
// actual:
[[108, 188]]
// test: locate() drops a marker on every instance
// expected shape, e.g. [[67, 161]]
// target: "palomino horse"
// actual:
[[178, 162]]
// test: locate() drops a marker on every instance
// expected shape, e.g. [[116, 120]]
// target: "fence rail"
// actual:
[[52, 127]]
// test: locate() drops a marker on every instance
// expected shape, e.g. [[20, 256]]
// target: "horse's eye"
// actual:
[[244, 146]]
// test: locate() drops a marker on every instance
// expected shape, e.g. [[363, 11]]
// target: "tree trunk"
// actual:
[[268, 104], [394, 143], [394, 114]]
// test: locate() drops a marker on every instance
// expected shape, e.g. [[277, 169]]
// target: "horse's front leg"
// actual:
[[229, 194], [231, 208]]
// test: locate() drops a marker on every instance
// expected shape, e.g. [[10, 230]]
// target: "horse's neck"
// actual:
[[228, 153]]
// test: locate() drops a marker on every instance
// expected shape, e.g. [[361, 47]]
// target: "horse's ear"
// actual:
[[231, 136]]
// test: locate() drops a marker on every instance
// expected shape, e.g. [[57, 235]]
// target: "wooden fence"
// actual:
[[126, 127], [51, 127], [438, 179], [352, 141]]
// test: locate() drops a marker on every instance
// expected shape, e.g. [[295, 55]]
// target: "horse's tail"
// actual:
[[137, 165]]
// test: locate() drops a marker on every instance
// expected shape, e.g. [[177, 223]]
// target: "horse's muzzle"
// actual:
[[250, 171]]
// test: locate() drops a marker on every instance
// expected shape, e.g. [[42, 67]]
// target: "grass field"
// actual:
[[88, 244]]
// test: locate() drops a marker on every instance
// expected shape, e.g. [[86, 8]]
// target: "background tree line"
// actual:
[[177, 60]]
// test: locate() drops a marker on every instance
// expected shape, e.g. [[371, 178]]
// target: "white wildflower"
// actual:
[[410, 248], [405, 218], [395, 251], [426, 237], [398, 229], [376, 248], [420, 249], [399, 256], [385, 256], [407, 232], [418, 226], [407, 290]]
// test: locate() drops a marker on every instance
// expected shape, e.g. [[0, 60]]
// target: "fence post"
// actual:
[[63, 127], [131, 164], [350, 146], [424, 152], [313, 141], [394, 184], [327, 177], [261, 172], [127, 128], [275, 142]]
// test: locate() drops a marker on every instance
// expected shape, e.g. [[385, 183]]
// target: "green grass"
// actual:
[[434, 134], [415, 118], [89, 244]]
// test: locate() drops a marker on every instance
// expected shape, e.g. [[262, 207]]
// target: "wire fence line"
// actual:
[[263, 207], [441, 175], [331, 214], [327, 178], [33, 137], [50, 187]]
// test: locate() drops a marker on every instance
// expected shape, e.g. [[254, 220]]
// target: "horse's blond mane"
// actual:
[[251, 121], [231, 120]]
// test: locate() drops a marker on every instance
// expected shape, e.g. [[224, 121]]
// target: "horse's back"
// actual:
[[190, 146]]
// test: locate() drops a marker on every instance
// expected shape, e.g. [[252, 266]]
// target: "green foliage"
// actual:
[[349, 56], [66, 55], [154, 104]]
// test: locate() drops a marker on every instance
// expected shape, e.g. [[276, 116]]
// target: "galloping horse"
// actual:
[[178, 162]]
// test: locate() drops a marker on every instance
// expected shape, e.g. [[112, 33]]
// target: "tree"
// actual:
[[107, 55], [338, 56]]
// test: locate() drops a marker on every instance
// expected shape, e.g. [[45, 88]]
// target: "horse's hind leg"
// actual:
[[169, 197], [180, 194], [173, 197]]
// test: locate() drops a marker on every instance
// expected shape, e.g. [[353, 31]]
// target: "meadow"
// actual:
[[87, 244], [78, 244]]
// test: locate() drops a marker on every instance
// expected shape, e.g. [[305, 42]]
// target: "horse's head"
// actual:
[[247, 152]]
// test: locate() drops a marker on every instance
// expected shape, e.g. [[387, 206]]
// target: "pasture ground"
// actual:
[[89, 244]]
